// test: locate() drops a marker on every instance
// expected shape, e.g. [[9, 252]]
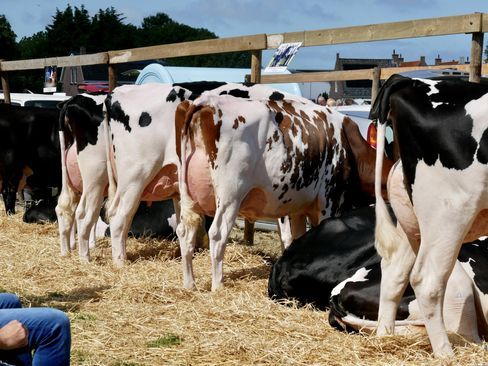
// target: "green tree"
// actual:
[[68, 31], [34, 46], [8, 48], [108, 32], [161, 29]]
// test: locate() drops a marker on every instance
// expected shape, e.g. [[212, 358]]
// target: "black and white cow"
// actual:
[[85, 177], [438, 193], [84, 170], [335, 266], [29, 150], [40, 209], [153, 220]]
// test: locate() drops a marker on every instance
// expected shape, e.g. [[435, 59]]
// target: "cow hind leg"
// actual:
[[187, 236], [86, 217], [121, 220], [65, 212], [459, 305], [218, 234], [435, 261], [395, 273]]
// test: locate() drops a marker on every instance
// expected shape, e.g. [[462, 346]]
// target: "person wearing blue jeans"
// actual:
[[32, 336]]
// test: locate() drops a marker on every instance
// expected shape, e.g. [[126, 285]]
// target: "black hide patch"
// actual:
[[118, 114], [476, 254], [276, 96], [279, 117], [84, 118], [198, 87], [482, 154], [237, 93], [172, 96], [145, 119]]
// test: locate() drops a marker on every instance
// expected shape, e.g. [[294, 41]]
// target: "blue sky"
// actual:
[[228, 18]]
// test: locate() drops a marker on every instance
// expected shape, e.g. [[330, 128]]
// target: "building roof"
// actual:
[[411, 63]]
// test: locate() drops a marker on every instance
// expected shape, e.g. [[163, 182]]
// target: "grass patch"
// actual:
[[79, 357], [85, 316], [168, 340]]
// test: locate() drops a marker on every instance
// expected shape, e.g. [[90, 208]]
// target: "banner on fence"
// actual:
[[282, 57], [50, 79]]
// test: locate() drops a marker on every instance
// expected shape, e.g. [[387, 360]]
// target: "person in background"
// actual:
[[331, 102], [321, 100], [33, 336]]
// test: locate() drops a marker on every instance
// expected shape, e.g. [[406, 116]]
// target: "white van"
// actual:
[[36, 100]]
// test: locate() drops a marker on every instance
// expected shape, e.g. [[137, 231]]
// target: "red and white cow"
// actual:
[[268, 158], [439, 192]]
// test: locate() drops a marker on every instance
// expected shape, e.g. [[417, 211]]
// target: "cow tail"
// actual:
[[386, 235], [188, 215], [112, 184], [67, 194]]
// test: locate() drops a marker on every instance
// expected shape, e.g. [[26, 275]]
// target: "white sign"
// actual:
[[282, 57]]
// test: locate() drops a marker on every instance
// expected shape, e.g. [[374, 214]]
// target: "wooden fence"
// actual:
[[475, 24]]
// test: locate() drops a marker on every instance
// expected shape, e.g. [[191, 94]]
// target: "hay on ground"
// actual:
[[141, 315]]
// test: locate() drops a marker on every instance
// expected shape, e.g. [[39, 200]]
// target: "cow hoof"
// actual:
[[85, 259], [119, 263], [190, 286], [216, 287]]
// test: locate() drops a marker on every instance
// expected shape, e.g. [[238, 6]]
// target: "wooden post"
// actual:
[[249, 232], [476, 57], [112, 77], [256, 67], [5, 85], [376, 77]]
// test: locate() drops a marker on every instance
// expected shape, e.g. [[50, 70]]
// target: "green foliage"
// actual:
[[72, 29], [168, 340], [8, 48], [108, 32]]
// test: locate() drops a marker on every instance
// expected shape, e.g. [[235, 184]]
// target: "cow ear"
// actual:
[[364, 158]]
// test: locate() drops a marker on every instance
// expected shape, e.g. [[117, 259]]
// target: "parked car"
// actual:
[[35, 100]]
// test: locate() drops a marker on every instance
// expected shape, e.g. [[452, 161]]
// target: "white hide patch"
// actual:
[[359, 276], [431, 84], [478, 110], [433, 90], [172, 222], [465, 183]]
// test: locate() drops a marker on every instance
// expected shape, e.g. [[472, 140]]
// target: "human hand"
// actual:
[[13, 335]]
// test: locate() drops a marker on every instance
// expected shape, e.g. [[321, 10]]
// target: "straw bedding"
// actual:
[[141, 315]]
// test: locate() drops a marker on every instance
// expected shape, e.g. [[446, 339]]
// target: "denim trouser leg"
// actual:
[[9, 301], [49, 336]]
